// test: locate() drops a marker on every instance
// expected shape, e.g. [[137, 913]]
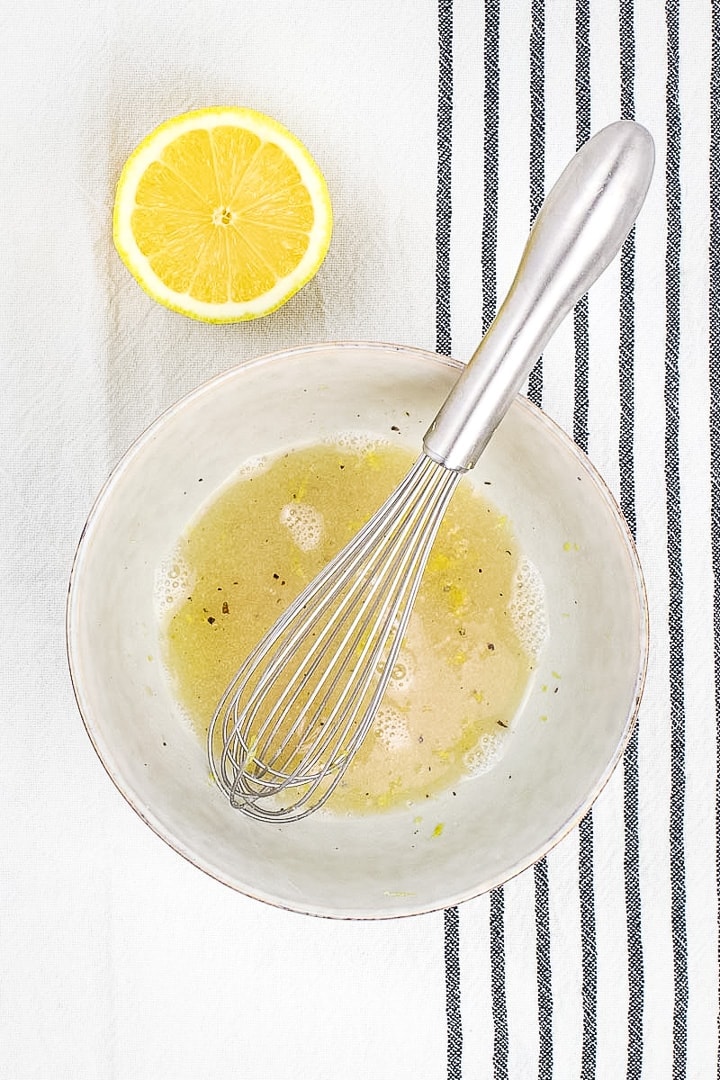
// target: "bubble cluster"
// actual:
[[527, 607], [250, 466], [357, 442], [305, 524], [173, 581], [402, 675], [391, 728], [484, 755]]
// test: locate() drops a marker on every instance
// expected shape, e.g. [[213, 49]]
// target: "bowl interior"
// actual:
[[575, 718]]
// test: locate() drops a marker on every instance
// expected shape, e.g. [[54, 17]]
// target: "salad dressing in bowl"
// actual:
[[468, 653]]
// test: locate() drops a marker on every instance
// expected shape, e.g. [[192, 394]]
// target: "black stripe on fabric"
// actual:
[[443, 330], [582, 134], [714, 321], [626, 459], [443, 200], [501, 1038], [580, 434], [537, 148], [674, 543], [581, 336], [491, 150], [544, 971], [453, 1005], [588, 948], [627, 285]]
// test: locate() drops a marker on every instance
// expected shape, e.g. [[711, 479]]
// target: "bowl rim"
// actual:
[[138, 805]]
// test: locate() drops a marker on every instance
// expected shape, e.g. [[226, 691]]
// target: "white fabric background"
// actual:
[[118, 961]]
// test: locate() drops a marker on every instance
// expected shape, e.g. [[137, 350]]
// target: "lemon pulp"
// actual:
[[222, 214]]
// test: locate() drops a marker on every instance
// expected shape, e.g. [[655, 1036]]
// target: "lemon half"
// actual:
[[222, 214]]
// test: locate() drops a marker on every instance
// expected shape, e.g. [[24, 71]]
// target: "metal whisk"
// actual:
[[296, 712]]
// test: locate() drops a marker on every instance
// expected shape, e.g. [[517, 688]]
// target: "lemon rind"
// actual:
[[149, 150]]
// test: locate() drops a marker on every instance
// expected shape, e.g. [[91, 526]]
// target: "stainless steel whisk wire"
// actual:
[[298, 709], [386, 604]]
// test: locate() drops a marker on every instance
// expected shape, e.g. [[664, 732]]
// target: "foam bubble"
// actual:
[[527, 607], [391, 728], [305, 524], [250, 467], [484, 755], [173, 581], [402, 675], [357, 442]]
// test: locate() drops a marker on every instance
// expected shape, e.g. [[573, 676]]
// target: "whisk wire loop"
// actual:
[[323, 592], [368, 588], [301, 704], [381, 608]]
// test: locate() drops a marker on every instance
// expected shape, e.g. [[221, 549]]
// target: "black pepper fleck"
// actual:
[[211, 620]]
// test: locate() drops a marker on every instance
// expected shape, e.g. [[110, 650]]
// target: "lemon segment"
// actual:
[[222, 214]]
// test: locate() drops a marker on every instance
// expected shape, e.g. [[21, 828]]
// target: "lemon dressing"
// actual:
[[471, 642]]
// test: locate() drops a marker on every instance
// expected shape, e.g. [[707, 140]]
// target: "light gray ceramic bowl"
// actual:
[[563, 745]]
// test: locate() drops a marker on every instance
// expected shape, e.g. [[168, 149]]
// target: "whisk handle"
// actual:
[[580, 228]]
